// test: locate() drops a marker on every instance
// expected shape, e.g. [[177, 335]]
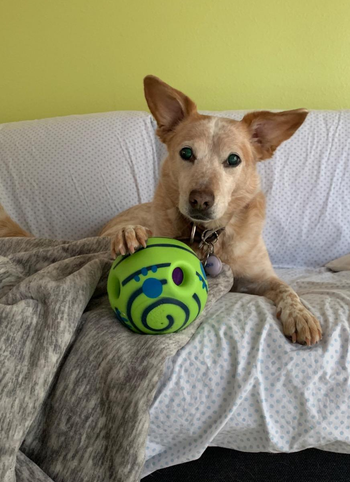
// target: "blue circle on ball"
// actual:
[[152, 288]]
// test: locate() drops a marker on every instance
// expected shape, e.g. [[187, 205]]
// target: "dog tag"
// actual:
[[213, 265]]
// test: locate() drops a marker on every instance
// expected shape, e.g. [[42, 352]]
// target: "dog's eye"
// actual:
[[186, 154], [233, 160]]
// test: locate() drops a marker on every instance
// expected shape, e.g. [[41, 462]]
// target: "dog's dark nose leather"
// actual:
[[201, 200]]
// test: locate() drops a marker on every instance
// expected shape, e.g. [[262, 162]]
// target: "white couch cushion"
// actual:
[[307, 185], [66, 177]]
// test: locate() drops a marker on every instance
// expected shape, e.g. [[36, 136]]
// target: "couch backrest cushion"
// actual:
[[308, 190], [307, 186], [66, 177]]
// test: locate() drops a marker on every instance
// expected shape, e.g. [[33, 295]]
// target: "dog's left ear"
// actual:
[[269, 129], [168, 105]]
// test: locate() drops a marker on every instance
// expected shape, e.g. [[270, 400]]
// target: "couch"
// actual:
[[239, 383]]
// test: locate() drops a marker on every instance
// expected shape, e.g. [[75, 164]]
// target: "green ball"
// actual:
[[159, 289]]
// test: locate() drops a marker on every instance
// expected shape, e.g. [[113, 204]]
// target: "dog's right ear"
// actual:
[[168, 105]]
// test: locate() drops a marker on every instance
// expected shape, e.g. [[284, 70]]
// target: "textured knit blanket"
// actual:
[[75, 384]]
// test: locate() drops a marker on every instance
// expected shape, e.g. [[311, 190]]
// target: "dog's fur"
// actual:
[[208, 192]]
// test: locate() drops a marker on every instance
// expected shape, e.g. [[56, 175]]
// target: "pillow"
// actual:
[[340, 264]]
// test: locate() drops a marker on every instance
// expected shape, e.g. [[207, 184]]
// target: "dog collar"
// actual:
[[207, 236], [202, 236], [206, 239]]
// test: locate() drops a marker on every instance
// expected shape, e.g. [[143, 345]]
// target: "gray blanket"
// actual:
[[75, 385]]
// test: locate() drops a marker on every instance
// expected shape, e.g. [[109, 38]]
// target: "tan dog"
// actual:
[[210, 179]]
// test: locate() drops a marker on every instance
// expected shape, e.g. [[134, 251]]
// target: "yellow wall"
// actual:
[[60, 57]]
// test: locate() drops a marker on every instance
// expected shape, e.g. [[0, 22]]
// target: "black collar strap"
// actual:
[[202, 236]]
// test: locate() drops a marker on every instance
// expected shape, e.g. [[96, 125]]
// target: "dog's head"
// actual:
[[211, 164]]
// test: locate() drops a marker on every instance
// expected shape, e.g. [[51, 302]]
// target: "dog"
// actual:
[[209, 180]]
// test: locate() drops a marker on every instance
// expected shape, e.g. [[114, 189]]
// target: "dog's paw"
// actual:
[[299, 324], [129, 239]]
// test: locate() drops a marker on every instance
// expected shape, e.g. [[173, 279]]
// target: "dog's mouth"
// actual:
[[203, 217], [200, 217]]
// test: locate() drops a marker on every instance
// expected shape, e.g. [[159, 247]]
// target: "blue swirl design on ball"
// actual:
[[159, 302], [144, 271], [198, 301], [165, 301], [203, 281], [203, 271]]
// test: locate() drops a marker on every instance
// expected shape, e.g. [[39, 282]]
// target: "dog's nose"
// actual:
[[201, 200]]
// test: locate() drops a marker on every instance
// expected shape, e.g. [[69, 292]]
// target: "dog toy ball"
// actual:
[[159, 289]]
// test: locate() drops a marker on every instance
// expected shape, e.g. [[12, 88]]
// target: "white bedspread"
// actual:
[[240, 384]]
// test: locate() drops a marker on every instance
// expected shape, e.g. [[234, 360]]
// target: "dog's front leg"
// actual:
[[297, 321]]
